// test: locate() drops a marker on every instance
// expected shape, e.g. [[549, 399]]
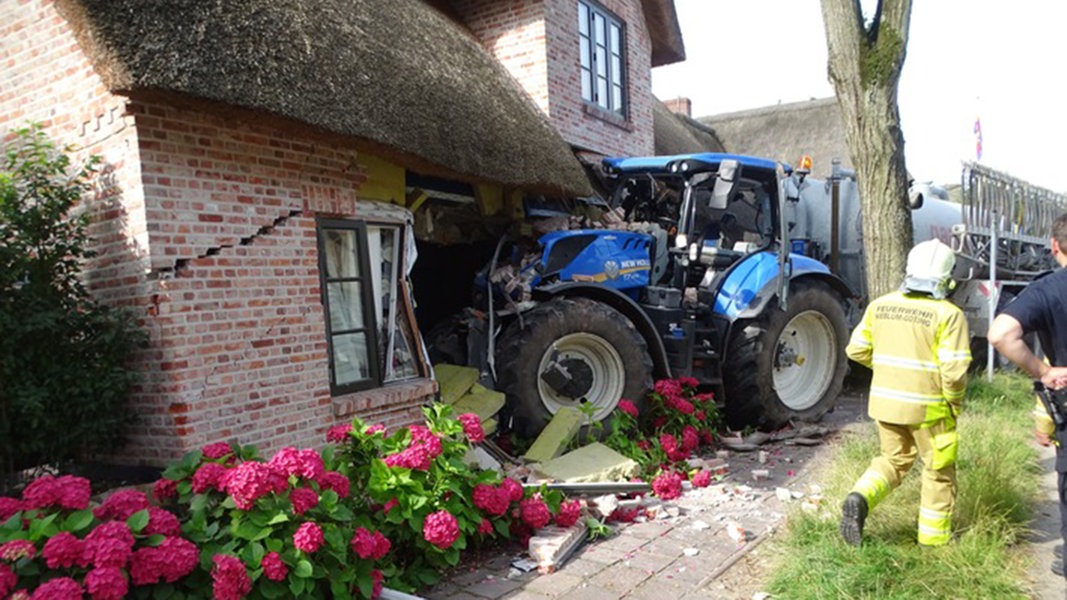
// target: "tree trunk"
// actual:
[[864, 67]]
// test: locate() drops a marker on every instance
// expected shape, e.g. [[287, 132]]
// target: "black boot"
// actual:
[[853, 514]]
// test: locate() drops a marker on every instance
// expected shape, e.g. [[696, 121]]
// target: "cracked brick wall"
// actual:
[[206, 230]]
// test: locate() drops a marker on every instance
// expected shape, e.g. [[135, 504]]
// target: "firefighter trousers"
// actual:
[[937, 444]]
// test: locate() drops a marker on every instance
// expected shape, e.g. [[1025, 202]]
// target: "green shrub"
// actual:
[[62, 354]]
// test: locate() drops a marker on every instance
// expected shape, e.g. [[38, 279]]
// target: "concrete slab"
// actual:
[[454, 381], [594, 462], [555, 436]]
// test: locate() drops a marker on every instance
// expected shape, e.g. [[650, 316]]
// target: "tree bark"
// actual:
[[864, 66]]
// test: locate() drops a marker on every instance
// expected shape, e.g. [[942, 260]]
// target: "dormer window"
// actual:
[[603, 68]]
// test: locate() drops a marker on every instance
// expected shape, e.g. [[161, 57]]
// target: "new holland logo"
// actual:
[[611, 269]]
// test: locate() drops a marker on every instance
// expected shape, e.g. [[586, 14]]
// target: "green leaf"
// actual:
[[246, 530], [40, 527], [155, 539], [78, 520], [199, 502], [340, 590], [138, 521], [262, 533], [303, 569], [296, 585], [281, 517], [452, 556], [271, 589]]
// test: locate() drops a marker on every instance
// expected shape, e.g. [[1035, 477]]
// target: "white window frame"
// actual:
[[602, 57]]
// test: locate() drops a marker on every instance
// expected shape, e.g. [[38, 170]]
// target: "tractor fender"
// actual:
[[753, 283], [620, 302]]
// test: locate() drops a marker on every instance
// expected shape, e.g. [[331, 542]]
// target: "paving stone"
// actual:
[[664, 546], [582, 567], [650, 529], [469, 578], [621, 543], [661, 588], [554, 584], [620, 578], [600, 554], [648, 561], [495, 587], [690, 568], [522, 594], [591, 592]]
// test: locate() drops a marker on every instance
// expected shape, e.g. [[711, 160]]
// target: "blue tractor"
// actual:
[[693, 280]]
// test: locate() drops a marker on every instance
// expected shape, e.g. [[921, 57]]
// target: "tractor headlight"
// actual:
[[680, 241]]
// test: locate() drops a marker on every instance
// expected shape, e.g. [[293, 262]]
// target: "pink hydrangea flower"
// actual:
[[688, 382], [332, 480], [667, 486], [534, 512], [690, 438], [229, 579], [373, 429], [493, 500], [217, 450], [120, 505], [248, 482], [177, 558], [8, 507], [164, 489], [668, 387], [701, 479], [106, 583], [67, 492], [308, 537], [16, 549], [209, 476], [300, 463], [569, 513], [146, 566], [440, 529], [370, 546], [64, 550], [162, 522], [60, 588], [339, 434], [110, 544], [514, 488], [376, 583], [390, 505], [700, 415], [485, 527], [628, 407], [303, 499], [8, 580], [274, 568], [472, 427]]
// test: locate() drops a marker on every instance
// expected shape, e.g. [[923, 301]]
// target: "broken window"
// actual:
[[368, 311], [603, 67]]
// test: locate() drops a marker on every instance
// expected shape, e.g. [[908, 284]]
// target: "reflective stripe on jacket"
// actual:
[[919, 350]]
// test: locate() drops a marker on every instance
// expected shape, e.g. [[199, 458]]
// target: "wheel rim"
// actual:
[[805, 360], [604, 364]]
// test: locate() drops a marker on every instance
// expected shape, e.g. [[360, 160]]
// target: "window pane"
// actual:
[[402, 365], [601, 58], [598, 30], [584, 52], [587, 85], [350, 361], [616, 70], [602, 91], [583, 19], [615, 46], [616, 97], [346, 305], [342, 253]]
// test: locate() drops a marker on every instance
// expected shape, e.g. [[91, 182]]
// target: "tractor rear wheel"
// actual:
[[787, 365], [571, 352]]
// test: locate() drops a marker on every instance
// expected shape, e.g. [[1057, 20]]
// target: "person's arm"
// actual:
[[953, 358], [1006, 335], [860, 347]]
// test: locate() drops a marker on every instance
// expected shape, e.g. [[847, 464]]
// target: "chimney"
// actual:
[[679, 105]]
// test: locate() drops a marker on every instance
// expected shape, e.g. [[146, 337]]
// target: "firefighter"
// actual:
[[1042, 308], [917, 345]]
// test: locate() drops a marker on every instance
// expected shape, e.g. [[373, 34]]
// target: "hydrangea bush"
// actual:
[[372, 509]]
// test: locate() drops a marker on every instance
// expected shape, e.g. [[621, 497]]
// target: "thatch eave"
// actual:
[[395, 75], [661, 18]]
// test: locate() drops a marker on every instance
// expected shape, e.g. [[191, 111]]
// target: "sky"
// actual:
[[1001, 63]]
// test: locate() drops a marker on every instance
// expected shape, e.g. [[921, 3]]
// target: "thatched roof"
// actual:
[[786, 132], [665, 31], [679, 134], [394, 76]]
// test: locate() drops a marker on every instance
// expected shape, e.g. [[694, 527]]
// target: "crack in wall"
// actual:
[[183, 263]]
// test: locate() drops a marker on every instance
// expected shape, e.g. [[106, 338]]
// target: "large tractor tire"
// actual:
[[570, 352], [787, 365]]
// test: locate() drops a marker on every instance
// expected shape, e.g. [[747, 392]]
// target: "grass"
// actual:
[[999, 481]]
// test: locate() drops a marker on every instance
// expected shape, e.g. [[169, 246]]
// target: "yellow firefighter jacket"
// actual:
[[919, 351]]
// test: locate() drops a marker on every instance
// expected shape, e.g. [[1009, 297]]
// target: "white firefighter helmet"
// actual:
[[929, 269]]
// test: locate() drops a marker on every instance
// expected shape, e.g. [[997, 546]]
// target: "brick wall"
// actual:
[[537, 40], [206, 230]]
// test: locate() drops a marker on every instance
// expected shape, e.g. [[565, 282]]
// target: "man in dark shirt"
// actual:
[[1042, 308]]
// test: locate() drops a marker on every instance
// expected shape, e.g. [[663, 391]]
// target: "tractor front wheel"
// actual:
[[571, 352]]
